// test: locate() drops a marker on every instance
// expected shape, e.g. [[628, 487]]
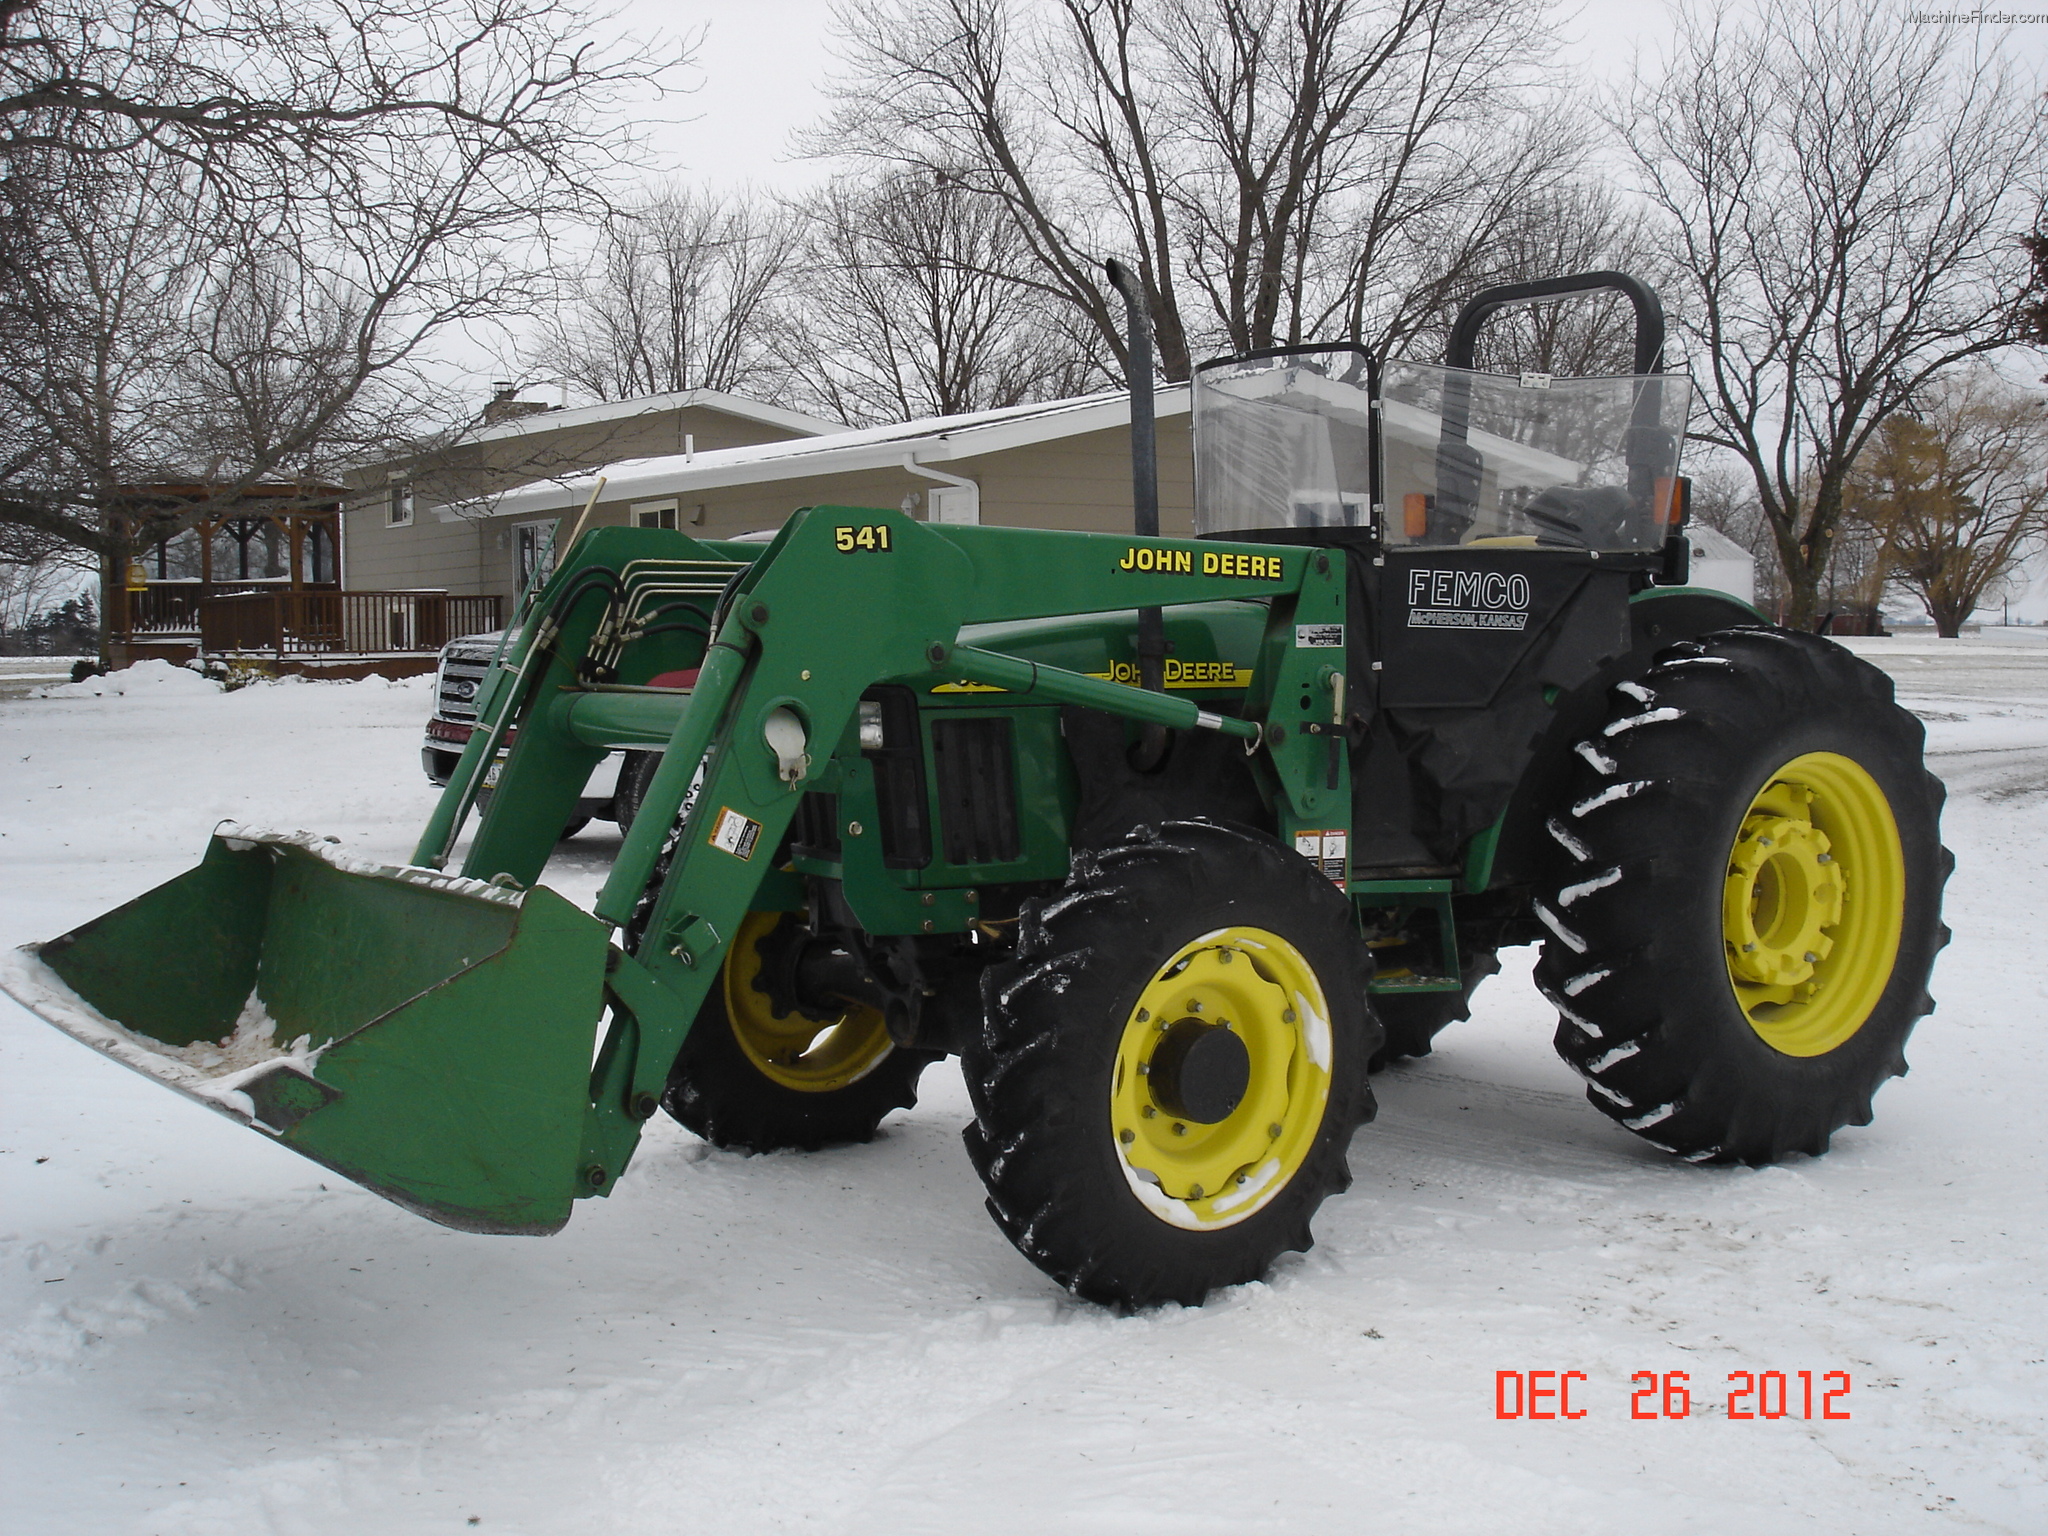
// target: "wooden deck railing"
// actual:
[[160, 610], [342, 623]]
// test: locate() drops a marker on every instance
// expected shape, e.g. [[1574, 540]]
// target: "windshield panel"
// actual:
[[1492, 459], [1284, 442]]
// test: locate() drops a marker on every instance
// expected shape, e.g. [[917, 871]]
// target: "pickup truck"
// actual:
[[616, 784]]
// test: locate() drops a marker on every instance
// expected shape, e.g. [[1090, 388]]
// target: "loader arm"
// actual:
[[843, 599]]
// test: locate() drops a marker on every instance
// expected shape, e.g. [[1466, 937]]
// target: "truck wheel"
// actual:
[[1172, 1066], [1750, 900], [1414, 1019], [754, 1080], [636, 772]]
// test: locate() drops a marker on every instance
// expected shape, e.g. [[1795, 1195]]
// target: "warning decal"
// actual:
[[1327, 850], [734, 833]]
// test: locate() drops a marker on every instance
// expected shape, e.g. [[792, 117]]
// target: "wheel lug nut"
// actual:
[[1144, 1015], [1286, 1015], [1127, 1136], [1179, 1129], [1149, 1112], [1194, 1191], [1812, 958], [1273, 1132]]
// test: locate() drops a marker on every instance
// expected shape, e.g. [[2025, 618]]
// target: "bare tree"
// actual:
[[1278, 171], [681, 297], [1844, 196], [232, 232], [1579, 226], [919, 298], [1956, 495], [272, 100], [2034, 306]]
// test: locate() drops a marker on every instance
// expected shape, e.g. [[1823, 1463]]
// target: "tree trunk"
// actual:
[[113, 589]]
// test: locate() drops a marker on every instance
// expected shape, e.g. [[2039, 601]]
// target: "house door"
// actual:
[[536, 543]]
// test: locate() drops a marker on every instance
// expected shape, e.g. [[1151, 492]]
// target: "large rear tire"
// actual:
[[1750, 897], [754, 1080], [1172, 1066]]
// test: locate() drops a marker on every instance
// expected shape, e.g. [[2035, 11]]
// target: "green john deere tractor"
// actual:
[[1169, 840]]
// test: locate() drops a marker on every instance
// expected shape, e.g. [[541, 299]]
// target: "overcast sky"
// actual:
[[763, 63]]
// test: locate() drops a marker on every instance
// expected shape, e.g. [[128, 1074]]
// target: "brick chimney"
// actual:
[[504, 405]]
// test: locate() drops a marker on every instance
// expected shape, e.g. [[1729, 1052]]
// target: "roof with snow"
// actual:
[[648, 405], [933, 440]]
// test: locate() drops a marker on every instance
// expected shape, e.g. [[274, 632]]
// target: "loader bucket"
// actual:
[[427, 1036]]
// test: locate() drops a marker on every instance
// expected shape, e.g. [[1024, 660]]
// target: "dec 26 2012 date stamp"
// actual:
[[1672, 1395]]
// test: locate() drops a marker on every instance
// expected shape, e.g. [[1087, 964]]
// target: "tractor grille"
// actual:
[[899, 781], [816, 833], [977, 790], [898, 766]]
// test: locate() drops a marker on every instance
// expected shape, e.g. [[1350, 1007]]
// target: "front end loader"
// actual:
[[1168, 839]]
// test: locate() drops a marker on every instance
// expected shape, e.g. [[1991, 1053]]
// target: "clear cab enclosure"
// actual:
[[1290, 440]]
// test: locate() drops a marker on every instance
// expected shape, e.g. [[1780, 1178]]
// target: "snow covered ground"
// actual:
[[202, 1333]]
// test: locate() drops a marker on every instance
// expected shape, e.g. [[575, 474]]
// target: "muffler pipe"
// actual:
[[1150, 750]]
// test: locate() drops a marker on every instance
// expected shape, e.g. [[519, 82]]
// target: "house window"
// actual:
[[536, 552], [398, 505], [654, 514]]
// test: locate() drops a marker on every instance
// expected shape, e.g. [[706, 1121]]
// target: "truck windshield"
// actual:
[[1468, 458], [1482, 458]]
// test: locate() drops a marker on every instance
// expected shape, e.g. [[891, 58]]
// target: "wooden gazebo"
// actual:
[[272, 537], [257, 579]]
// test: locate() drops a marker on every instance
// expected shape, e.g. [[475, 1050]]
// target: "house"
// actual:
[[345, 579], [397, 534], [1065, 464]]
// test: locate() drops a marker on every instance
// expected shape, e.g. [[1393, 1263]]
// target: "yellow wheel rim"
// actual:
[[790, 1049], [1222, 1077], [1813, 905]]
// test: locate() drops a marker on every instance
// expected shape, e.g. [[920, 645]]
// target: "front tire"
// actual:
[[1749, 902], [1172, 1066], [751, 1079]]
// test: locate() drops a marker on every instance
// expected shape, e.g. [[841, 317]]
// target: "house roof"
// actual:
[[648, 405], [933, 440]]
